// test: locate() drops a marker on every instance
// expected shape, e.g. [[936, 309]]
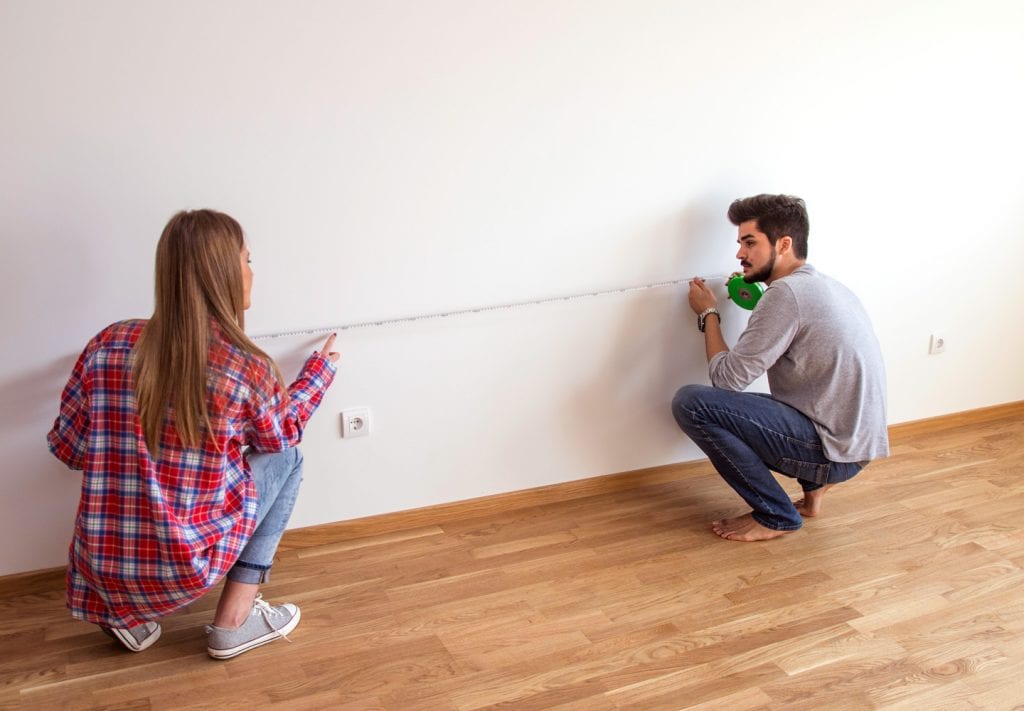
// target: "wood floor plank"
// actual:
[[504, 642], [904, 594], [701, 685], [747, 699], [932, 678], [954, 695]]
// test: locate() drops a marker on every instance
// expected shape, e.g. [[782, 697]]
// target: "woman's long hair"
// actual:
[[198, 282]]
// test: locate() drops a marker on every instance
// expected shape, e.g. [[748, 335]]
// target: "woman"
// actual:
[[156, 415]]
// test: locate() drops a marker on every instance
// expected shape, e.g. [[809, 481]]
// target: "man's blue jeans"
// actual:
[[746, 436], [277, 476]]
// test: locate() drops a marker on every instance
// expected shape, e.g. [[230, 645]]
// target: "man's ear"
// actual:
[[784, 244]]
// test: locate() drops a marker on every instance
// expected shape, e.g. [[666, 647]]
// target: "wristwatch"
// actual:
[[702, 316]]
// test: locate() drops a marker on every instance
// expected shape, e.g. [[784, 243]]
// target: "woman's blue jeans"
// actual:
[[277, 476], [747, 436]]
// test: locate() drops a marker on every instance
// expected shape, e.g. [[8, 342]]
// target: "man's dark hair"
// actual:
[[776, 215]]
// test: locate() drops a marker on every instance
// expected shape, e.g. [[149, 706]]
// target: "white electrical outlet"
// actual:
[[937, 344], [355, 422]]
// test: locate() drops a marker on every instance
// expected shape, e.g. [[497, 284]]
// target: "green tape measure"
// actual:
[[743, 294]]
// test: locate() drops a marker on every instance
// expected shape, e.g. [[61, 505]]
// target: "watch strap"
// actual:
[[703, 315]]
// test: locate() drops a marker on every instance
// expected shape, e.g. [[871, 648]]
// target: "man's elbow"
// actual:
[[727, 381]]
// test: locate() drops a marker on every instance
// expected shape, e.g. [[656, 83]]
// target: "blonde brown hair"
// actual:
[[198, 283]]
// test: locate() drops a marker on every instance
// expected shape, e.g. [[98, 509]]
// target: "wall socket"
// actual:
[[355, 422], [937, 344]]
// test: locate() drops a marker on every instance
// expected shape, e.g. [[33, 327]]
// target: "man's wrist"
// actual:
[[703, 315]]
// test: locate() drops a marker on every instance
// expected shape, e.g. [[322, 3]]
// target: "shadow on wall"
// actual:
[[655, 350], [34, 396], [37, 487], [290, 353]]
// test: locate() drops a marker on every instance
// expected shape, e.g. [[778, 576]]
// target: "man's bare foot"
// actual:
[[810, 505], [744, 528]]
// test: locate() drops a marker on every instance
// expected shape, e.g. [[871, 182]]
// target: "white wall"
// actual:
[[394, 158]]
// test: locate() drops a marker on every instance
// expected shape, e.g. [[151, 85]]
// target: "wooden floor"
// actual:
[[907, 594]]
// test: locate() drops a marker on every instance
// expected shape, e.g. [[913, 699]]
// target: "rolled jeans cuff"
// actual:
[[242, 572]]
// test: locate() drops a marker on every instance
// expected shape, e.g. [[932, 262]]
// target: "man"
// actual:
[[826, 416]]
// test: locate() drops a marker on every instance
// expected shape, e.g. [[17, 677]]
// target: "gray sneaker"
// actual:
[[263, 625], [135, 638]]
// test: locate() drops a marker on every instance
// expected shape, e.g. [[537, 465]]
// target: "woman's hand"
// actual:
[[326, 351]]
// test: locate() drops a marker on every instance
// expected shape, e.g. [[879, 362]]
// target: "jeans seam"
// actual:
[[713, 442], [800, 464], [753, 514], [761, 426], [749, 485]]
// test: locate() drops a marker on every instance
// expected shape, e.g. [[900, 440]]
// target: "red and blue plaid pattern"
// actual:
[[152, 536]]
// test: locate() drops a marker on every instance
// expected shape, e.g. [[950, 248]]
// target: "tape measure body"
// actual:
[[743, 294]]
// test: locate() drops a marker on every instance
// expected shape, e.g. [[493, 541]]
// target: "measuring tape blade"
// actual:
[[500, 307]]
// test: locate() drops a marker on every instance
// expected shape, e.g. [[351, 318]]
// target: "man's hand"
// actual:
[[701, 297], [728, 281]]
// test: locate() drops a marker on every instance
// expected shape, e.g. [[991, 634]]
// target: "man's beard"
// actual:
[[762, 274]]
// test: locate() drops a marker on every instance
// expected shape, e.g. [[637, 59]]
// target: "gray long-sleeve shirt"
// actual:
[[815, 340]]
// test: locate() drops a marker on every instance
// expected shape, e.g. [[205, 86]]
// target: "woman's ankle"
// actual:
[[235, 604], [229, 621]]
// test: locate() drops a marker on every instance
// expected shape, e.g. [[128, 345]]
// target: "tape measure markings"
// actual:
[[510, 306]]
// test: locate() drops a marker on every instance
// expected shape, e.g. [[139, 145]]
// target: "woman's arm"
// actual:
[[69, 438], [277, 417]]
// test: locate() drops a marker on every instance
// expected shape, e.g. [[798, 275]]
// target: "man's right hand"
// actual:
[[729, 280], [701, 297]]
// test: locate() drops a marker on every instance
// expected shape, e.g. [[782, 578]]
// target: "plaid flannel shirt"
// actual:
[[153, 535]]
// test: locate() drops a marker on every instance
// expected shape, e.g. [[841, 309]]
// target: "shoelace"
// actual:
[[264, 608]]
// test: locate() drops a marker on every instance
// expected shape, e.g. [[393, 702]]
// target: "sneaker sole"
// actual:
[[258, 642], [130, 643]]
